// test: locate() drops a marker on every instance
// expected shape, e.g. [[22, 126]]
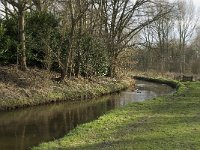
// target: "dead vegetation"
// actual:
[[34, 87], [167, 75]]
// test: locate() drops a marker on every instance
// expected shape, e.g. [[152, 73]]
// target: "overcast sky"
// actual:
[[197, 3]]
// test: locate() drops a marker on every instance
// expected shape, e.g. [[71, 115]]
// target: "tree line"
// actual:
[[172, 42], [87, 37]]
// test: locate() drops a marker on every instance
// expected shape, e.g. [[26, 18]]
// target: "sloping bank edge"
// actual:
[[180, 87], [93, 91]]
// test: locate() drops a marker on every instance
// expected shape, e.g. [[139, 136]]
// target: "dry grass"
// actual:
[[33, 87], [15, 83], [166, 75]]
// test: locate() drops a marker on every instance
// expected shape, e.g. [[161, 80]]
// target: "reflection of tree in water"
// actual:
[[25, 128]]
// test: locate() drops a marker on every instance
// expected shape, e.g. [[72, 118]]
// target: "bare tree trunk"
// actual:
[[6, 10], [19, 6], [70, 63], [78, 60], [186, 26], [38, 4], [112, 67], [22, 45]]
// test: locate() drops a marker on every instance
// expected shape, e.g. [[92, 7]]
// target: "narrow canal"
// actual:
[[22, 129]]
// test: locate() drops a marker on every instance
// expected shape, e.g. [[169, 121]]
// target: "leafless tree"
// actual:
[[157, 38], [122, 20], [72, 14], [186, 24]]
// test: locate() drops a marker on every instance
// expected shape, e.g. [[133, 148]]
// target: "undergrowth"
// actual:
[[34, 87]]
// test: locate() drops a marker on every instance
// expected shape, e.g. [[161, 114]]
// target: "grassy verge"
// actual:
[[172, 83], [170, 122], [34, 87]]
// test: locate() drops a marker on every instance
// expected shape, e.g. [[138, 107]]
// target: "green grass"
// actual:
[[170, 122]]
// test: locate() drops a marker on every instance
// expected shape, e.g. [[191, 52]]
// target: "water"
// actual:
[[22, 129]]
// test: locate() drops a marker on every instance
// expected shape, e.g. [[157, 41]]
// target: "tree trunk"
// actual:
[[38, 4], [62, 74], [77, 64], [6, 10], [111, 71], [78, 60], [22, 47], [70, 62], [112, 68]]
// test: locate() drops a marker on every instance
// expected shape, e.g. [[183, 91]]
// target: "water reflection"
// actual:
[[23, 129]]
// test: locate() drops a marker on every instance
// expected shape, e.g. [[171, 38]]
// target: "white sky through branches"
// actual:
[[197, 4]]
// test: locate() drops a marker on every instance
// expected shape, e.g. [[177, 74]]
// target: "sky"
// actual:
[[197, 3]]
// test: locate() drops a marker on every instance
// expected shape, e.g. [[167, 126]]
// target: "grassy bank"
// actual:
[[166, 75], [170, 122], [34, 87], [172, 83]]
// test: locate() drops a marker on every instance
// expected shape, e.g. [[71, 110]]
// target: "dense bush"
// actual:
[[8, 41], [93, 56], [47, 46], [40, 29]]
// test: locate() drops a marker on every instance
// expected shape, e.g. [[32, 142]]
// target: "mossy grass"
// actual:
[[35, 87], [169, 122]]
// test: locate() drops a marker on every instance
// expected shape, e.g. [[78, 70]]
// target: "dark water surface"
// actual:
[[22, 129]]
